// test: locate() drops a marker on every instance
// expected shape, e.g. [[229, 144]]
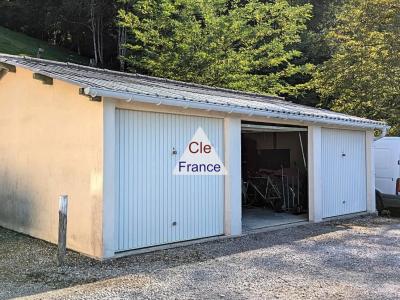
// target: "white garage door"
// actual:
[[155, 207], [343, 172]]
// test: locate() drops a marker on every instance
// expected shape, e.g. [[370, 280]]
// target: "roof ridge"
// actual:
[[137, 75]]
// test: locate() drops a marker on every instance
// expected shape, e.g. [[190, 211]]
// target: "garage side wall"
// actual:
[[51, 144]]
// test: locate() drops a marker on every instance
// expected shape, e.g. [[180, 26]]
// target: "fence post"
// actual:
[[62, 229]]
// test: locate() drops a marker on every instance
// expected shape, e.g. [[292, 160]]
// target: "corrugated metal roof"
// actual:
[[128, 86]]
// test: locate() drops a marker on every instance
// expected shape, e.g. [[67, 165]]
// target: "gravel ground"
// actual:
[[357, 258]]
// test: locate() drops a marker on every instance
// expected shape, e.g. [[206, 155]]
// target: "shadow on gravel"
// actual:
[[27, 265]]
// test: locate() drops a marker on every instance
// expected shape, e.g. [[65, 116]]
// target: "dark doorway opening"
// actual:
[[274, 175]]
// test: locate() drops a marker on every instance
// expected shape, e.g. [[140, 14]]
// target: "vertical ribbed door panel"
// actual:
[[344, 188], [155, 207]]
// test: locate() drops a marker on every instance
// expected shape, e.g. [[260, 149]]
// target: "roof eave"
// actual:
[[187, 103]]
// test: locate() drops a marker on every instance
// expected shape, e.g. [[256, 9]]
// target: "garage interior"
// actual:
[[274, 175]]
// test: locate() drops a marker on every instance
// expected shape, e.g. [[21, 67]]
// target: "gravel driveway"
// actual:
[[357, 258]]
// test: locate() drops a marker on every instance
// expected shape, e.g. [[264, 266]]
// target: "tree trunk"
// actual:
[[100, 45], [93, 29], [122, 37]]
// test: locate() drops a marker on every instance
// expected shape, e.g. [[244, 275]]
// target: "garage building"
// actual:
[[111, 141]]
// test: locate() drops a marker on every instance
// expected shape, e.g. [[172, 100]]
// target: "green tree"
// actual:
[[246, 45], [363, 75], [313, 44]]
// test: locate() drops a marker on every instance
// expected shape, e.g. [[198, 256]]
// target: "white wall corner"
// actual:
[[233, 180], [370, 165], [108, 177], [314, 174]]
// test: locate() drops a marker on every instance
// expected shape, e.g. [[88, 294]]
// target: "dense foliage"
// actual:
[[241, 46], [267, 46], [363, 75]]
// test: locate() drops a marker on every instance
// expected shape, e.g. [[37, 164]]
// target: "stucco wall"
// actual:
[[51, 143]]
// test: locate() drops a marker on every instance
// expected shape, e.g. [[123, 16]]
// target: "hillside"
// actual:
[[16, 43]]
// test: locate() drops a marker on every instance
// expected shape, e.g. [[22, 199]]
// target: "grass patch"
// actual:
[[12, 42]]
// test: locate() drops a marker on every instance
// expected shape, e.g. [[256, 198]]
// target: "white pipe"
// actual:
[[148, 98]]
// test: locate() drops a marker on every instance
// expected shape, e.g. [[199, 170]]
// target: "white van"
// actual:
[[387, 165]]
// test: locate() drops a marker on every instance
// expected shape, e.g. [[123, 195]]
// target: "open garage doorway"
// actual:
[[274, 175]]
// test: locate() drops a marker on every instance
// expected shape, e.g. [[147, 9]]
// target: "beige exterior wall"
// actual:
[[51, 143]]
